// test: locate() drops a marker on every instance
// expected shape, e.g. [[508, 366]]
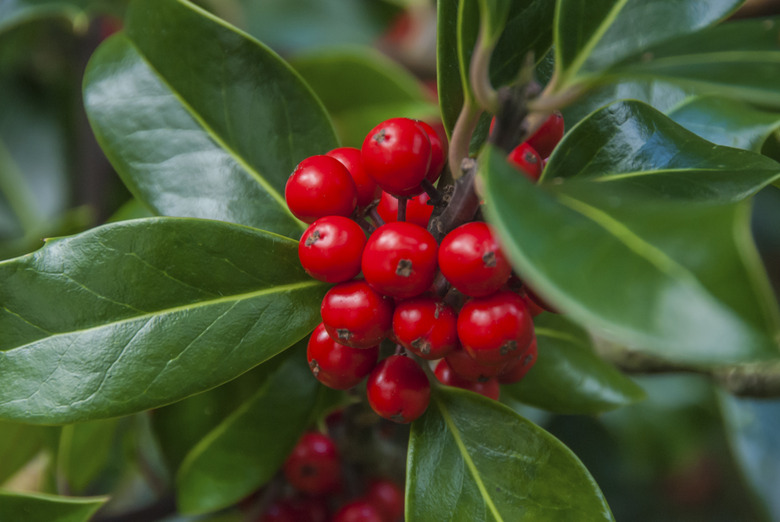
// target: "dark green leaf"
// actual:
[[51, 508], [473, 459], [644, 272], [141, 313], [727, 122], [19, 443], [753, 428], [199, 119], [591, 35], [15, 12], [568, 376], [736, 59], [85, 451], [528, 28], [256, 439], [360, 88], [632, 146]]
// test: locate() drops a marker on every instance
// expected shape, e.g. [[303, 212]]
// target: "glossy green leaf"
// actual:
[[752, 427], [592, 35], [15, 12], [361, 88], [629, 145], [528, 28], [141, 313], [35, 507], [472, 459], [200, 120], [649, 271], [568, 376], [737, 59], [255, 438], [726, 122], [19, 443]]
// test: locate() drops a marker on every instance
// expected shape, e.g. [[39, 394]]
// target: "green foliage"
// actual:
[[459, 470], [17, 506]]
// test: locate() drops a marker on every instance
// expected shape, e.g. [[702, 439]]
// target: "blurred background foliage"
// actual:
[[689, 452]]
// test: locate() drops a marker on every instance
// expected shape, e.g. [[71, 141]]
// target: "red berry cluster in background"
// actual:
[[457, 302], [312, 488]]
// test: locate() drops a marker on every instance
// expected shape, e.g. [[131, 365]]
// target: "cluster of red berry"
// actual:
[[313, 469], [480, 343]]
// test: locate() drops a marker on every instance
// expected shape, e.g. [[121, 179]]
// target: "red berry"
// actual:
[[467, 368], [396, 154], [527, 160], [496, 328], [388, 497], [279, 511], [320, 186], [488, 387], [418, 211], [438, 152], [367, 189], [398, 389], [314, 465], [426, 326], [331, 249], [548, 135], [335, 365], [471, 259], [399, 259], [516, 369], [358, 511], [356, 315]]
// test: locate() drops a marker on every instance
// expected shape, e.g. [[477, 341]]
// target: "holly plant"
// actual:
[[345, 301]]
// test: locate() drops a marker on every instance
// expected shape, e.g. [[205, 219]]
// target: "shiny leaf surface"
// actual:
[[33, 507], [752, 426], [650, 271], [256, 438], [591, 35], [460, 471], [142, 308], [727, 122], [632, 146], [735, 59], [361, 88], [200, 120], [568, 376]]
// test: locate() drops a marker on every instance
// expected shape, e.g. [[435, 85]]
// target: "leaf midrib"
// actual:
[[702, 58], [467, 459], [238, 158], [237, 298]]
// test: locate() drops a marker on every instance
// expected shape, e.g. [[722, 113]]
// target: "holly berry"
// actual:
[[398, 389], [358, 511], [388, 498], [314, 465], [490, 388], [279, 511], [418, 211], [367, 189], [496, 328], [516, 369], [335, 365], [546, 137], [471, 259], [331, 249], [399, 259], [438, 152], [527, 160], [467, 368], [320, 186], [426, 326], [356, 315], [397, 154]]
